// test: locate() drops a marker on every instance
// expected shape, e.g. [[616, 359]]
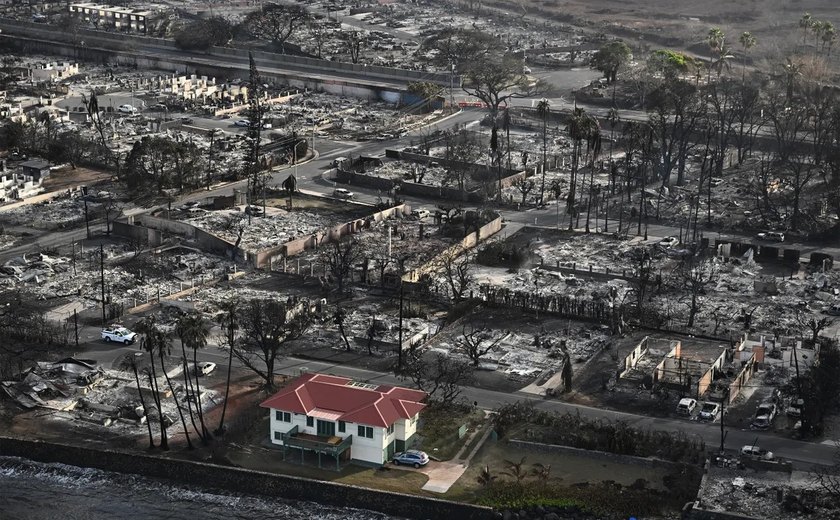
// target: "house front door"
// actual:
[[326, 428]]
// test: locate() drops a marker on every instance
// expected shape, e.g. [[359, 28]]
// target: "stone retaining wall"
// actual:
[[243, 481]]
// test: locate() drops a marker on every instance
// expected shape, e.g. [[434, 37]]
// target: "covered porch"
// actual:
[[333, 446]]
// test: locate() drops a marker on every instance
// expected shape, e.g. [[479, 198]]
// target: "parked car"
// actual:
[[421, 213], [186, 120], [794, 409], [709, 411], [756, 453], [204, 368], [669, 242], [341, 193], [127, 109], [764, 415], [243, 123], [414, 458], [256, 211], [768, 409], [119, 334], [686, 406], [338, 162], [772, 236]]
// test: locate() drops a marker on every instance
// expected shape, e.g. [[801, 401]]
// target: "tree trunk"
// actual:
[[143, 403], [191, 391], [177, 405], [205, 432], [221, 429], [164, 442]]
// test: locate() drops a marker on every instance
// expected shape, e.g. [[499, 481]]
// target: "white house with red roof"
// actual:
[[346, 419]]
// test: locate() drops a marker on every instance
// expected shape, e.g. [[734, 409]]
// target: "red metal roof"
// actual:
[[371, 405]]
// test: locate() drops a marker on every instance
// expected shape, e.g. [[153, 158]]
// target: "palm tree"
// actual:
[[578, 131], [829, 36], [543, 109], [792, 71], [133, 363], [613, 119], [230, 324], [716, 39], [151, 337], [192, 330], [805, 23], [164, 348], [486, 477], [747, 41], [723, 61], [818, 27], [516, 470], [542, 472]]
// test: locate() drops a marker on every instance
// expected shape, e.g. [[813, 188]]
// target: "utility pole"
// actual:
[[76, 326], [210, 158], [87, 222], [399, 347], [102, 279], [722, 431]]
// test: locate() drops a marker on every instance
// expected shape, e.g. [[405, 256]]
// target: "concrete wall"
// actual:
[[633, 357], [741, 379], [206, 241], [406, 188], [242, 481], [268, 257], [466, 243]]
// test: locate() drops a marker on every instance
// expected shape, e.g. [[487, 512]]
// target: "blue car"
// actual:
[[414, 458]]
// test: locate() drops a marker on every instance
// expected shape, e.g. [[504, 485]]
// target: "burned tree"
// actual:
[[339, 257], [695, 274], [457, 270], [276, 23], [267, 326], [475, 343], [442, 376]]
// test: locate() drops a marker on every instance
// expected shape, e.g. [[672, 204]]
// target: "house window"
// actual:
[[341, 426], [283, 416], [365, 431], [390, 429], [310, 421], [413, 420], [278, 436]]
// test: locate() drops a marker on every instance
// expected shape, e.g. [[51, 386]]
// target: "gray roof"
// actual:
[[38, 164]]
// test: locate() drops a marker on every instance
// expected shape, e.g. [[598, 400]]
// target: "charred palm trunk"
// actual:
[[204, 430], [164, 441], [177, 405], [143, 404]]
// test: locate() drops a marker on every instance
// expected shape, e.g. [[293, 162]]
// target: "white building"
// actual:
[[110, 16], [344, 419]]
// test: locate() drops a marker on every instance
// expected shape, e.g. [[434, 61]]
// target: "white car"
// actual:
[[341, 193], [204, 368], [756, 453], [669, 242], [119, 334], [686, 406], [243, 122], [709, 411], [127, 109]]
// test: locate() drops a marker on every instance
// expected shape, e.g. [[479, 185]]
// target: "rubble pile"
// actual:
[[767, 495], [432, 175], [277, 227], [50, 214], [89, 393]]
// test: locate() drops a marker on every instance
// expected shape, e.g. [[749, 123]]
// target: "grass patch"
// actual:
[[388, 479], [439, 429]]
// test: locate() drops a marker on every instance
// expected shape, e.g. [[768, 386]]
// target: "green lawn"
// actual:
[[439, 430]]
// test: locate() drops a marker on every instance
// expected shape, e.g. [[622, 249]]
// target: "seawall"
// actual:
[[243, 481]]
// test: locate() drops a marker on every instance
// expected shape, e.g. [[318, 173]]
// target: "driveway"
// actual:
[[441, 474]]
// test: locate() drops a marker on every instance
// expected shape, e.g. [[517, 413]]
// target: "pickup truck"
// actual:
[[118, 334]]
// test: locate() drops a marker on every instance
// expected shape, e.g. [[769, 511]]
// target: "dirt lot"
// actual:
[[773, 22], [70, 178]]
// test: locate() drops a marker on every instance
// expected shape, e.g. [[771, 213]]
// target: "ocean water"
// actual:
[[35, 491]]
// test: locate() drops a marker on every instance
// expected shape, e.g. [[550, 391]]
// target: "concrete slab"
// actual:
[[442, 476]]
